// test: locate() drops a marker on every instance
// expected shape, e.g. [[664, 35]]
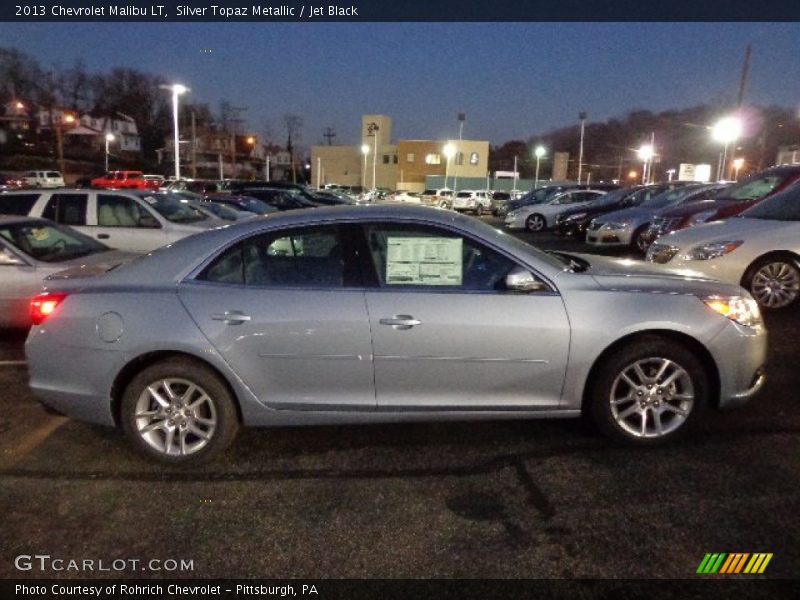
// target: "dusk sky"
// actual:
[[512, 79]]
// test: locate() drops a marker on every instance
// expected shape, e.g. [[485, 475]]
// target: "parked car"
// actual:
[[136, 222], [441, 197], [476, 201], [331, 197], [404, 196], [627, 227], [392, 329], [43, 179], [536, 196], [542, 215], [734, 200], [10, 182], [664, 222], [243, 203], [573, 222], [121, 180], [33, 249], [282, 199], [153, 182], [758, 249]]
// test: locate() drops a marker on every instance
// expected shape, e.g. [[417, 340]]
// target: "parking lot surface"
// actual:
[[537, 499]]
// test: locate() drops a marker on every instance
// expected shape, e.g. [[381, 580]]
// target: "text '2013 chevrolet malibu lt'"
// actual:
[[385, 314]]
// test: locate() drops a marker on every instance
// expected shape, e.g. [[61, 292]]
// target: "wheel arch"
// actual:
[[772, 254], [141, 362], [698, 349]]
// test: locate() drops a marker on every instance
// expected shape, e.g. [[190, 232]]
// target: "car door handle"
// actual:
[[401, 322], [231, 317], [103, 236]]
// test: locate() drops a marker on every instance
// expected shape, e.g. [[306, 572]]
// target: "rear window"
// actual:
[[135, 175], [53, 174], [17, 204]]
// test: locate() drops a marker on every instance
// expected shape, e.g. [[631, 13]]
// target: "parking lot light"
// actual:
[[449, 151], [539, 152], [726, 130], [737, 164], [177, 89], [645, 154], [365, 152], [109, 139]]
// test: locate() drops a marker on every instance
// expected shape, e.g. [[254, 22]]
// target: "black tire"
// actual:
[[535, 223], [479, 210], [219, 408], [607, 401], [638, 242], [774, 281]]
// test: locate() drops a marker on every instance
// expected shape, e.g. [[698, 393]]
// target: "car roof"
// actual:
[[9, 219]]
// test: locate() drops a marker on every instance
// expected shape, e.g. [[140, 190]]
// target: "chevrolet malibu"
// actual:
[[385, 314]]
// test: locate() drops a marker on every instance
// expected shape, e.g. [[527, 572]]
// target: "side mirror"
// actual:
[[521, 280], [6, 258]]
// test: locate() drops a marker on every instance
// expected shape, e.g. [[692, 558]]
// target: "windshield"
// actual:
[[755, 188], [784, 206], [666, 198], [610, 198], [174, 209], [253, 205], [50, 242]]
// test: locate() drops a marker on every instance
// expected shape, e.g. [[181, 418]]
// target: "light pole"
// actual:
[[365, 152], [737, 164], [461, 118], [539, 152], [109, 139], [69, 120], [374, 157], [645, 153], [726, 130], [670, 174], [449, 150], [177, 89], [582, 116]]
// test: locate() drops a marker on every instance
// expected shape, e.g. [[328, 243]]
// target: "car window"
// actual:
[[53, 174], [50, 243], [121, 211], [17, 204], [783, 206], [67, 209], [303, 257], [415, 256], [754, 188]]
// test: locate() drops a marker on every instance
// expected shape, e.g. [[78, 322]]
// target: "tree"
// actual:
[[293, 124]]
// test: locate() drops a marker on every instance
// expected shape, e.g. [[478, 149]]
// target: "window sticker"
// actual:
[[424, 261]]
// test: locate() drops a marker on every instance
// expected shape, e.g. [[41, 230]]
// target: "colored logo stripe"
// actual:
[[711, 563], [722, 563], [758, 563], [734, 563]]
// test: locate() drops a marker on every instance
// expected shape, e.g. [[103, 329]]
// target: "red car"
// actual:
[[121, 180]]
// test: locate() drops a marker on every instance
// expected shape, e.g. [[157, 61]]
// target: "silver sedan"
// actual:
[[385, 314]]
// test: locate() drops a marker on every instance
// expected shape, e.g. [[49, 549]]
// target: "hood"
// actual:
[[92, 265], [628, 275], [692, 208], [634, 213], [737, 227]]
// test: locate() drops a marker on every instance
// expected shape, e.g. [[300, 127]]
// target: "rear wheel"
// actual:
[[479, 210], [649, 392], [178, 411], [535, 222], [774, 282], [638, 240]]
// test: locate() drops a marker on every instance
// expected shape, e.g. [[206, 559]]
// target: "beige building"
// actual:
[[401, 166]]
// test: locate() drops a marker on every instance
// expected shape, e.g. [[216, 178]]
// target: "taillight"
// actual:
[[44, 305]]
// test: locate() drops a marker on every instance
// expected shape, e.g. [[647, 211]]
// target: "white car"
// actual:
[[413, 197], [759, 250], [538, 217], [477, 201], [121, 220], [43, 179]]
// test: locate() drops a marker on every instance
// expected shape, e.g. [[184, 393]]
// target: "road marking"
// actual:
[[12, 456], [12, 363]]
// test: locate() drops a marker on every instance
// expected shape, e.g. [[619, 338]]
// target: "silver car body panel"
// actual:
[[471, 355]]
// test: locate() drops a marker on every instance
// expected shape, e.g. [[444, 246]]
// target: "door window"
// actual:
[[415, 256], [67, 209], [120, 211]]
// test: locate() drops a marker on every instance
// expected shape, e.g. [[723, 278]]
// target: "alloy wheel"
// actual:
[[776, 284], [535, 223]]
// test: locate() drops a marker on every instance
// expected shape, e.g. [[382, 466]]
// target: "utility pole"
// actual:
[[745, 72], [582, 116], [194, 146], [329, 134], [231, 118], [459, 161]]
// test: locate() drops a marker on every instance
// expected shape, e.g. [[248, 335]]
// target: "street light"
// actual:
[[177, 89], [582, 116], [365, 152], [539, 152], [449, 151], [69, 120], [737, 165], [109, 139], [645, 154], [726, 130]]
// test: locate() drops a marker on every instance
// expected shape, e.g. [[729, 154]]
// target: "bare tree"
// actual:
[[294, 124]]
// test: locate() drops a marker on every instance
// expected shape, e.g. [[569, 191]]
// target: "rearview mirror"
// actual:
[[521, 280]]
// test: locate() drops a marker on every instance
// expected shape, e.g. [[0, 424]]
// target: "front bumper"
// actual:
[[608, 237], [740, 354]]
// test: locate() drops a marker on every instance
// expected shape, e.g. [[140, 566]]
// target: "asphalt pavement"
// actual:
[[534, 499]]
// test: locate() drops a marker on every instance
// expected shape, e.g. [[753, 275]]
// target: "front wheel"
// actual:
[[774, 282], [535, 223], [638, 240], [649, 392], [479, 210], [180, 412]]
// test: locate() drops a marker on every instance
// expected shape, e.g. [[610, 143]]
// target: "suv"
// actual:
[[121, 180], [43, 179], [122, 220], [478, 202], [442, 197]]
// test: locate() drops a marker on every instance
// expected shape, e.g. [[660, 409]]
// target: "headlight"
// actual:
[[575, 217], [701, 217], [661, 253], [712, 250], [513, 214], [742, 309], [616, 225]]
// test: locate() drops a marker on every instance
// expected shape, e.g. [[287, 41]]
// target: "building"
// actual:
[[401, 166], [90, 130]]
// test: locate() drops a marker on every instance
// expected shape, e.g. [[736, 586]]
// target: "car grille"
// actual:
[[661, 253]]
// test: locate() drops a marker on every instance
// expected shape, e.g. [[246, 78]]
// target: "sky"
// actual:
[[513, 80]]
